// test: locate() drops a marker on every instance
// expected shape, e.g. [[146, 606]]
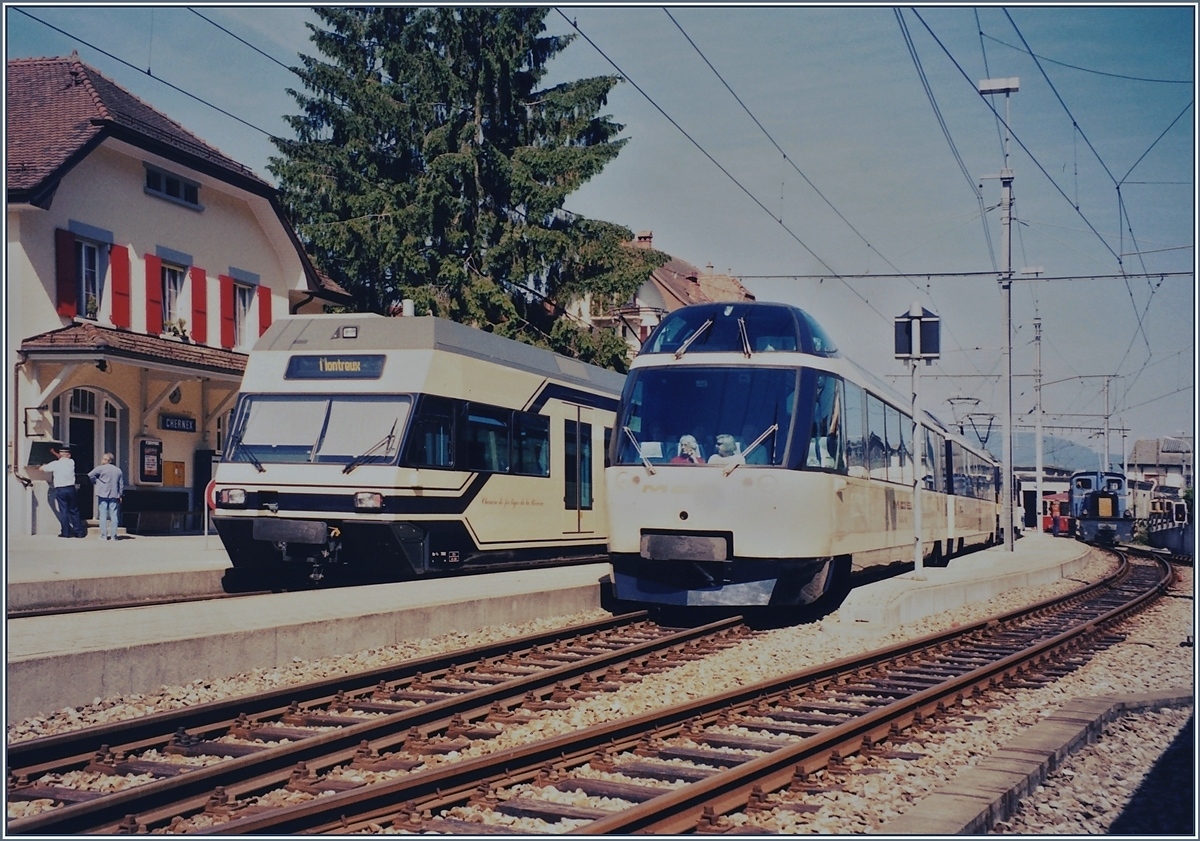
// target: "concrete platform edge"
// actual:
[[979, 796], [78, 592], [38, 685]]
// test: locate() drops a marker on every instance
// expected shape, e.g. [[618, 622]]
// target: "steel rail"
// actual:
[[273, 767], [78, 746], [446, 783], [730, 789]]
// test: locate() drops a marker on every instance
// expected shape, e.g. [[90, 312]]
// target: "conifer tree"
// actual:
[[429, 164]]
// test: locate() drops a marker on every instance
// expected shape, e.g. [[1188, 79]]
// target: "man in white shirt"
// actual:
[[62, 491]]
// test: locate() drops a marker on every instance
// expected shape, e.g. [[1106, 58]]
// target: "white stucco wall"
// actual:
[[105, 191]]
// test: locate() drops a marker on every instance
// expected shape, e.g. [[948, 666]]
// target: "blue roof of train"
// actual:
[[759, 326], [325, 333]]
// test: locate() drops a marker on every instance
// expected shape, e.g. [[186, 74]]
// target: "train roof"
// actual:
[[760, 326], [371, 332], [769, 328]]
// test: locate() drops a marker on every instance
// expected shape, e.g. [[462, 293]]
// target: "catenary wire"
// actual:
[[144, 72], [715, 162]]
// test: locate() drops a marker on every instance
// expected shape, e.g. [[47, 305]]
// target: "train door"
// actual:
[[579, 474]]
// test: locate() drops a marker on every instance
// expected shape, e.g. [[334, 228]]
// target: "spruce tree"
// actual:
[[429, 164]]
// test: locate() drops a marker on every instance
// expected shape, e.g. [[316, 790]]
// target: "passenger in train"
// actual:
[[727, 449], [689, 451]]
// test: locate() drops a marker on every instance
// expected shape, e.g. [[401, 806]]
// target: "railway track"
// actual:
[[754, 748], [91, 777]]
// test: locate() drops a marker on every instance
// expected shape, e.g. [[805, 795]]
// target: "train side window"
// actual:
[[906, 450], [856, 442], [895, 446], [431, 441], [485, 438], [935, 445], [877, 438], [958, 470], [826, 449], [578, 463], [531, 444]]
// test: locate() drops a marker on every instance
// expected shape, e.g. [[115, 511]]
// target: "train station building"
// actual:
[[142, 264]]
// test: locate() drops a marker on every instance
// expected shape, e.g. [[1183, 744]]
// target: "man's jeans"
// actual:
[[108, 509]]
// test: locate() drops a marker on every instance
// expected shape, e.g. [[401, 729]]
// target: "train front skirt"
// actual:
[[740, 582]]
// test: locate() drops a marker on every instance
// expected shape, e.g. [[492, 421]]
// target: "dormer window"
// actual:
[[165, 185]]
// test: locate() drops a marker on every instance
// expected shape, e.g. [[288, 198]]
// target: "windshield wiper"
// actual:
[[387, 439], [638, 447], [745, 338], [740, 458], [687, 343], [237, 447]]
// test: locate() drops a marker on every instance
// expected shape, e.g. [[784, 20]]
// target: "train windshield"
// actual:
[[341, 429], [698, 415]]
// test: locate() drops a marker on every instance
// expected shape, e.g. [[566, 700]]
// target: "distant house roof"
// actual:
[[58, 110], [1167, 452], [687, 284], [88, 342]]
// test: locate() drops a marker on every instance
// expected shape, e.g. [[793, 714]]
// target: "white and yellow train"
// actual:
[[753, 465], [411, 446]]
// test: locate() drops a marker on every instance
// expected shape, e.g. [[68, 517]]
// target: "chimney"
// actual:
[[644, 239]]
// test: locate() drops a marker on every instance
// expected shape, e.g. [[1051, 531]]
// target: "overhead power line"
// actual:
[[243, 41], [714, 161], [1088, 69], [158, 79], [778, 148]]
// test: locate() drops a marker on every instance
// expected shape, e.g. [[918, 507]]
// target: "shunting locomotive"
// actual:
[[1100, 507], [407, 447], [754, 465]]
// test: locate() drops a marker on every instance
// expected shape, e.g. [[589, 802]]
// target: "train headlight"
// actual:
[[230, 497], [368, 501]]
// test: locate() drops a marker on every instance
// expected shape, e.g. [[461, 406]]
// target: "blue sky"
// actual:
[[1104, 168]]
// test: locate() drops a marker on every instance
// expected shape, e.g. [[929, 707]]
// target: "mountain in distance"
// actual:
[[1056, 452]]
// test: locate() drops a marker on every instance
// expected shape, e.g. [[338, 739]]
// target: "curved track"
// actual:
[[659, 770]]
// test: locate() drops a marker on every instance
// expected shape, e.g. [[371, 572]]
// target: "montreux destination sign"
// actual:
[[336, 367]]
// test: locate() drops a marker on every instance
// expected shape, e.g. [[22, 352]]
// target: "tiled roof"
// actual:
[[56, 107], [88, 339], [689, 285], [686, 284]]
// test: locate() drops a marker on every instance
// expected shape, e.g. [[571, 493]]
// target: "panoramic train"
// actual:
[[1100, 507], [412, 446], [754, 465]]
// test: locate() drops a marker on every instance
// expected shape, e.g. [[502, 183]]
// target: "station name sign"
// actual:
[[176, 423], [337, 367]]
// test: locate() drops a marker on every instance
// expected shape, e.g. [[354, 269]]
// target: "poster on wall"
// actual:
[[150, 466]]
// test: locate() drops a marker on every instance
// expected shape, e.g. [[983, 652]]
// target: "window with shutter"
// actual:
[[118, 257], [199, 330]]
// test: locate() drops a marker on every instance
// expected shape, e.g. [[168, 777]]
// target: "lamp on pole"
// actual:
[[989, 87]]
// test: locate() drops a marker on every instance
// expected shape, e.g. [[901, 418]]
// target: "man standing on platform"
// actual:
[[110, 487], [62, 481]]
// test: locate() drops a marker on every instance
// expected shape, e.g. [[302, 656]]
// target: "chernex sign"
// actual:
[[340, 367]]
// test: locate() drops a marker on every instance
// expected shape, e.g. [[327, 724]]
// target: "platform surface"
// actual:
[[67, 660]]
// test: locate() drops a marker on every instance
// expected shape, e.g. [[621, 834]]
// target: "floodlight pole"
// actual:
[[986, 88], [1037, 344], [918, 441]]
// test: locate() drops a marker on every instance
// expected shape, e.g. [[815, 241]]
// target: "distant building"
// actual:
[[673, 285], [1167, 463], [142, 264]]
